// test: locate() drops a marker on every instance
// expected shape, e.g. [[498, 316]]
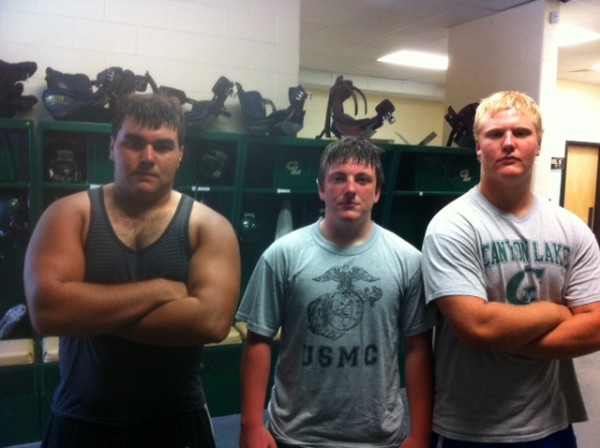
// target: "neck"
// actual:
[[514, 199], [346, 234], [135, 206]]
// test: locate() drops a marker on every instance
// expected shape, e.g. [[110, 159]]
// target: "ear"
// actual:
[[377, 196], [111, 149], [320, 188], [181, 152], [539, 148]]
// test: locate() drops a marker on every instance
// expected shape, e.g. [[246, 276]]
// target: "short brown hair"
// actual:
[[352, 149], [152, 110]]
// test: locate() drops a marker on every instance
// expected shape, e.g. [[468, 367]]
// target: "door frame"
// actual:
[[596, 212]]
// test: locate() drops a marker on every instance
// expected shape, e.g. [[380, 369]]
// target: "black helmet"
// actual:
[[13, 217]]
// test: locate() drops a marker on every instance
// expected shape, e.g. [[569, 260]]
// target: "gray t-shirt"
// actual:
[[342, 313], [473, 249]]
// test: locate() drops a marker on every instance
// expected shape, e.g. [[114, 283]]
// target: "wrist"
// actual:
[[252, 421]]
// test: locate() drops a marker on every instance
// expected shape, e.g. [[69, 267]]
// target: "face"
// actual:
[[146, 160], [349, 192], [507, 147]]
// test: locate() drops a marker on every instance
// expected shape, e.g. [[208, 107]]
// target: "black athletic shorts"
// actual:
[[561, 439], [190, 430]]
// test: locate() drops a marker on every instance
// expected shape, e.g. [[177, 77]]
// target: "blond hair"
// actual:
[[505, 100]]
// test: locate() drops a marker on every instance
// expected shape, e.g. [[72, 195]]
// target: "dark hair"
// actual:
[[151, 110], [352, 149]]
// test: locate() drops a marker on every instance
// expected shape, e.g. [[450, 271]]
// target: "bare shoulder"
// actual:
[[68, 213], [206, 223], [69, 207], [204, 215]]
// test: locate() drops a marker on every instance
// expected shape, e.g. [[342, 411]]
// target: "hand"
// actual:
[[562, 312], [180, 289], [174, 290], [414, 441], [256, 437], [566, 312]]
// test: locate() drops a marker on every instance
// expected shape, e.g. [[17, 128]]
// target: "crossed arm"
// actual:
[[541, 330], [576, 336], [157, 311], [205, 313]]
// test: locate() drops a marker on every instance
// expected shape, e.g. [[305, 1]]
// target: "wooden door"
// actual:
[[580, 192]]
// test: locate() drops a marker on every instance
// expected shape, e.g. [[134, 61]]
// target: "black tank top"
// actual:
[[107, 379]]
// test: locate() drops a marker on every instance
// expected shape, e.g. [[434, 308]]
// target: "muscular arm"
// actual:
[[576, 336], [499, 326], [256, 366], [419, 388], [60, 302], [206, 314]]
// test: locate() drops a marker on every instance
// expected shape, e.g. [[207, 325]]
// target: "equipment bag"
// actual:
[[277, 122], [12, 99], [342, 124], [78, 98], [462, 125], [202, 112]]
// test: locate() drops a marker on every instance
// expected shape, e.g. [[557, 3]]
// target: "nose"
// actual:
[[507, 142], [350, 185], [148, 153]]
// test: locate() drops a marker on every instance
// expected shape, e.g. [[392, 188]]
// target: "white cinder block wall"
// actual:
[[185, 44]]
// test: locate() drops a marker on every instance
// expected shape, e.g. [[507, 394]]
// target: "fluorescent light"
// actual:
[[596, 67], [570, 35], [416, 59]]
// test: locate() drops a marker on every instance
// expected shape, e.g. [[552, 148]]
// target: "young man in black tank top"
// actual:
[[135, 278]]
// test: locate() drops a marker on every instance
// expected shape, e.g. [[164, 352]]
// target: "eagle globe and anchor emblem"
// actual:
[[332, 314]]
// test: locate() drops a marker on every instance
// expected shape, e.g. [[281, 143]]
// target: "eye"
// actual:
[[494, 134], [138, 144], [336, 178], [164, 145], [364, 180], [133, 143], [522, 132]]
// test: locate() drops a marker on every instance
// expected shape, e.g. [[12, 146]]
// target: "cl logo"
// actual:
[[293, 166], [465, 175]]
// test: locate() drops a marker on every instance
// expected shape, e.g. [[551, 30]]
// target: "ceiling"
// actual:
[[347, 36]]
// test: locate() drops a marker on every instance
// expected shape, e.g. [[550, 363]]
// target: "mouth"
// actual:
[[144, 175], [508, 160]]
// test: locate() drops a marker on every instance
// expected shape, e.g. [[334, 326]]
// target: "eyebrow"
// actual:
[[137, 137], [344, 173], [503, 128]]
